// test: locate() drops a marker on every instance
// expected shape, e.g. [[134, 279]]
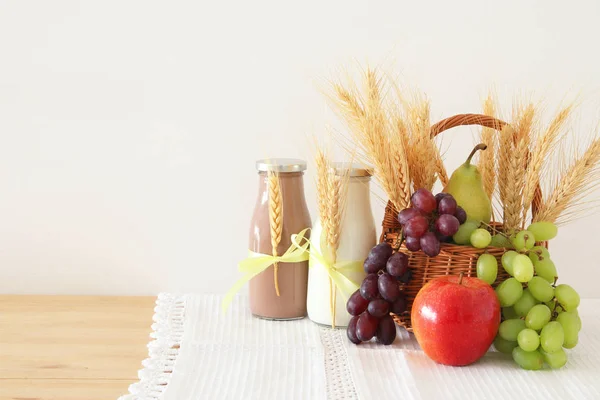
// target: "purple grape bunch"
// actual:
[[378, 296], [430, 221]]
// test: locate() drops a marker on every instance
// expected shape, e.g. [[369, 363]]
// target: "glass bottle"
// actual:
[[357, 237], [292, 277]]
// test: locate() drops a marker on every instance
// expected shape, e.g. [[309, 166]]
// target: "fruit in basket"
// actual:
[[351, 330], [487, 268], [430, 221], [423, 200], [386, 331], [378, 258], [461, 215], [430, 244], [538, 317], [368, 288], [466, 186], [379, 308], [447, 224], [541, 289], [570, 326], [397, 265], [388, 287], [356, 304], [509, 292], [539, 252], [544, 319], [531, 360], [480, 238], [500, 240], [528, 339], [504, 346], [378, 295], [567, 297], [507, 261], [523, 241], [416, 226], [412, 243], [463, 235], [455, 319], [510, 328], [545, 268], [543, 230], [399, 306], [552, 337], [447, 205], [366, 327], [407, 214], [525, 303], [555, 360], [522, 268]]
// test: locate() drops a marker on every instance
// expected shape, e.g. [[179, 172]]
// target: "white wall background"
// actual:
[[129, 129]]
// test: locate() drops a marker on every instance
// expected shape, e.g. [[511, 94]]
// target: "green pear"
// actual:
[[466, 186]]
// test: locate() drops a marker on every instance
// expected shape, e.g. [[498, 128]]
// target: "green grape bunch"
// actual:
[[540, 317]]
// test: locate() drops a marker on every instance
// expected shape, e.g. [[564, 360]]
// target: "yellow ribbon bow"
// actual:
[[337, 272], [257, 263]]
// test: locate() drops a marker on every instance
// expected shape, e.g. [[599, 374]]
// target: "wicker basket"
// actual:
[[453, 259]]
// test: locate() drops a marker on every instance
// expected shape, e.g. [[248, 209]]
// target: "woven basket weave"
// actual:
[[453, 259]]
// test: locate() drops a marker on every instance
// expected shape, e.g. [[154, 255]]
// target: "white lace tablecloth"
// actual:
[[200, 352]]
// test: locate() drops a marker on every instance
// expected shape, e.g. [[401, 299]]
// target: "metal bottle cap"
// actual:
[[352, 169], [281, 165]]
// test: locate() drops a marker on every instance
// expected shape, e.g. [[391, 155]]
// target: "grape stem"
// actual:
[[493, 228], [399, 241]]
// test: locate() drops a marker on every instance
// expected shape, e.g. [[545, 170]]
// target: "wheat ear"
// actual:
[[375, 138], [505, 150], [275, 220], [487, 160], [517, 165], [539, 155], [398, 151], [514, 188], [322, 175], [334, 196], [348, 106], [579, 178], [442, 174], [423, 148]]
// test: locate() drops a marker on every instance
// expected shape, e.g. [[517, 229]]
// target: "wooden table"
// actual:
[[71, 347]]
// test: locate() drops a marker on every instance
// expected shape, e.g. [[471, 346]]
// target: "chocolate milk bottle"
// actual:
[[292, 277]]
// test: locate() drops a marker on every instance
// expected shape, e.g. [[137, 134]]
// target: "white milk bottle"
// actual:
[[357, 237]]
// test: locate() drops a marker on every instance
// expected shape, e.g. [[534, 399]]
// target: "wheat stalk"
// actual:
[[514, 188], [579, 178], [369, 127], [333, 221], [275, 220], [402, 171], [442, 174], [505, 150], [487, 160], [322, 177], [392, 135], [348, 106], [331, 194], [539, 155], [423, 148], [516, 164], [525, 124]]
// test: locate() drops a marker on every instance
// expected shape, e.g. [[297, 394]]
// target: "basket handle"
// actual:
[[467, 119], [488, 122]]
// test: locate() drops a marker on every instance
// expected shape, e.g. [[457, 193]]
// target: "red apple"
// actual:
[[455, 319]]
